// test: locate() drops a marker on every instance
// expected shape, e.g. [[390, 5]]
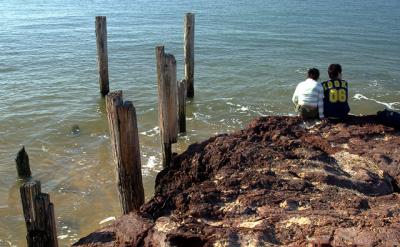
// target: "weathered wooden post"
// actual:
[[167, 102], [189, 53], [22, 161], [182, 106], [113, 100], [39, 216], [102, 54], [126, 151]]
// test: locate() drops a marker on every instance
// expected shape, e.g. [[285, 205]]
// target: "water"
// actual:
[[249, 57]]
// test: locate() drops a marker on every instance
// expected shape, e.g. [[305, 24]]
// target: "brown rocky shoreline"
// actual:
[[277, 182]]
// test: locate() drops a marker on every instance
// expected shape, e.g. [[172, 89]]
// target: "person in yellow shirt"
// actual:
[[336, 94]]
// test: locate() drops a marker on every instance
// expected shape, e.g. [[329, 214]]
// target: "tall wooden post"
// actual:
[[39, 216], [22, 161], [167, 102], [182, 106], [102, 54], [189, 53], [126, 151]]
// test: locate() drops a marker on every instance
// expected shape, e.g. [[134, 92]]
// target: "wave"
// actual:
[[152, 132], [8, 69], [390, 106]]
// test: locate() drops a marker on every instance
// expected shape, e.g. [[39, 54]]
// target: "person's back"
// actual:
[[335, 94], [308, 96]]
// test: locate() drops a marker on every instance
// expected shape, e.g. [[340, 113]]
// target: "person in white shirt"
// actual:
[[309, 97]]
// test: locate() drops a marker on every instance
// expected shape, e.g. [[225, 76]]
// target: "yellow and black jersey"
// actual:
[[335, 98]]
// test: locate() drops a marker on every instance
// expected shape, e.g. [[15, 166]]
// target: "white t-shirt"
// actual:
[[310, 93]]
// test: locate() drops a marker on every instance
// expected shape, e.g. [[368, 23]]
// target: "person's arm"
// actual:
[[347, 97], [321, 102], [295, 97]]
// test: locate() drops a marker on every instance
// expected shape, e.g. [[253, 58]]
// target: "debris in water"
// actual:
[[75, 130]]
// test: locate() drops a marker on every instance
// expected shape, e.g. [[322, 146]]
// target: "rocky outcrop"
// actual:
[[280, 181]]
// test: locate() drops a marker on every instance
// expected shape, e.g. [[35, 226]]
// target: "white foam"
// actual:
[[63, 236], [373, 83], [359, 96], [151, 162], [222, 98], [240, 107], [201, 116], [183, 136], [244, 108], [390, 106], [151, 132], [44, 149], [107, 220]]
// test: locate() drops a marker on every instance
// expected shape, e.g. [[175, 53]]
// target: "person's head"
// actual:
[[313, 74], [335, 71]]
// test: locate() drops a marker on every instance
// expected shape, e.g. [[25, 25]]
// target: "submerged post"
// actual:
[[39, 216], [167, 102], [102, 54], [189, 53], [182, 106], [126, 151], [22, 161]]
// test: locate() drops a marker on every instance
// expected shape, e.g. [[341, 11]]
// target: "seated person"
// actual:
[[335, 94], [308, 96]]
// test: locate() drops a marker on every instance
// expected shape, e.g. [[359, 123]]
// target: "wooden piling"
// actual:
[[126, 151], [113, 100], [39, 216], [22, 161], [182, 106], [167, 102], [189, 53], [102, 54]]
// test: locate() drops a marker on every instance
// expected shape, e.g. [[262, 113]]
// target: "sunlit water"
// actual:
[[249, 56]]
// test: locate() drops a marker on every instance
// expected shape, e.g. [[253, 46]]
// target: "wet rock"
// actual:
[[277, 182], [75, 130], [104, 237]]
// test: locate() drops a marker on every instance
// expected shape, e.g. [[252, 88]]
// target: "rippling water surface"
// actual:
[[249, 56]]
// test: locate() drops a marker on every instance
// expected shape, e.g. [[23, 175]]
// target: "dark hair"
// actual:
[[313, 73], [334, 70]]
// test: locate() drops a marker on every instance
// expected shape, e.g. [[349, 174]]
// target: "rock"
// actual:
[[277, 182], [75, 130]]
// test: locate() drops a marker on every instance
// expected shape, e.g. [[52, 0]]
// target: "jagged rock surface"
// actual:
[[278, 182]]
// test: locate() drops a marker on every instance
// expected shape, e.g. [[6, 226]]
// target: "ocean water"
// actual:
[[249, 56]]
